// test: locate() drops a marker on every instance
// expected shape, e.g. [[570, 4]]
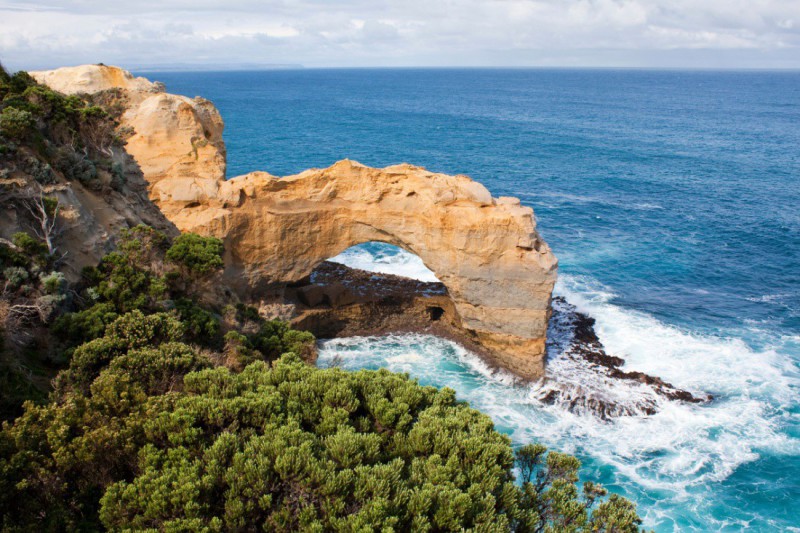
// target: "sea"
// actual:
[[672, 201]]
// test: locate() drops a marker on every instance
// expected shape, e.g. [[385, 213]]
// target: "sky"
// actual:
[[215, 34]]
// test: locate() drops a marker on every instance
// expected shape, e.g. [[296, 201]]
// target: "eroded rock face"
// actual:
[[486, 251], [174, 137]]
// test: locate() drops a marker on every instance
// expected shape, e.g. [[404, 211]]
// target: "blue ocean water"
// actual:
[[672, 199]]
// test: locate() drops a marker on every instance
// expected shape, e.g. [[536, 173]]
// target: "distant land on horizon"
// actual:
[[254, 67]]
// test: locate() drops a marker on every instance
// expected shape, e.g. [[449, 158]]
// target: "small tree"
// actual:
[[144, 247]]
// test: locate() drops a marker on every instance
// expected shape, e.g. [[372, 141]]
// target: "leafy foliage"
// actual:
[[44, 134], [196, 255], [29, 109], [16, 123], [137, 276], [160, 439]]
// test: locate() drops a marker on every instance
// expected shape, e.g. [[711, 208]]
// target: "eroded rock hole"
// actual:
[[435, 313]]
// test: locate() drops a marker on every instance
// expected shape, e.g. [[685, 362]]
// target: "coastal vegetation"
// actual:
[[177, 408], [43, 132]]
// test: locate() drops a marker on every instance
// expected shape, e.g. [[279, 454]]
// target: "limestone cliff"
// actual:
[[486, 251], [80, 161]]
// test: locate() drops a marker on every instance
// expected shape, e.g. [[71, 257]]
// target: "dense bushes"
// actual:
[[15, 123], [196, 255], [140, 276], [161, 440], [136, 277]]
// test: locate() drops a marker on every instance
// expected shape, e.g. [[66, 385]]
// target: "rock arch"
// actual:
[[487, 252]]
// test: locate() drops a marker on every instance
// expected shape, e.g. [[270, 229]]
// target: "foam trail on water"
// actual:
[[385, 259]]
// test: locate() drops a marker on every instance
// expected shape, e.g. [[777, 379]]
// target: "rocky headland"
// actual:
[[498, 272]]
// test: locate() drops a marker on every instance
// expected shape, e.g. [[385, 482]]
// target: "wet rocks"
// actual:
[[583, 378]]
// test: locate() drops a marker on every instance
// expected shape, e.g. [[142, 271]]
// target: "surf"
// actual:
[[673, 453]]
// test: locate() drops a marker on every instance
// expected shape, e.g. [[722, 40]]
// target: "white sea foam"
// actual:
[[671, 453], [387, 260]]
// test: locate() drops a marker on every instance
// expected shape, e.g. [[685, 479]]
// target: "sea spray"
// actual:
[[385, 259]]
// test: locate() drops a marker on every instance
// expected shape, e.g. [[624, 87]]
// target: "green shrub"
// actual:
[[275, 338], [53, 283], [39, 170], [19, 81], [85, 325], [143, 246], [127, 286], [10, 257], [201, 325], [196, 255], [15, 276], [30, 246], [76, 167], [134, 330], [16, 123]]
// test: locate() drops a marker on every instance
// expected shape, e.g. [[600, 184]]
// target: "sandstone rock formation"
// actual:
[[173, 137], [498, 272]]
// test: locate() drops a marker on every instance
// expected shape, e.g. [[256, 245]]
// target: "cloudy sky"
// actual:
[[317, 33]]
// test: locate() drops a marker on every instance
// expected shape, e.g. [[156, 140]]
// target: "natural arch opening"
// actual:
[[385, 258], [373, 288], [375, 272]]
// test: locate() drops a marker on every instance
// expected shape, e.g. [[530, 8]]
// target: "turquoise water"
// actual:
[[671, 199]]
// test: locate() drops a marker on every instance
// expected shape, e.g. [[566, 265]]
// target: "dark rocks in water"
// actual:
[[373, 286], [589, 374], [339, 301], [593, 351]]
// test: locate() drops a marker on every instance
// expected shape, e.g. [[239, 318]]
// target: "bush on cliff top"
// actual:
[[43, 131]]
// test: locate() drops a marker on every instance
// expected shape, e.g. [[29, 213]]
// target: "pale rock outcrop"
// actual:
[[90, 79], [173, 137], [497, 270]]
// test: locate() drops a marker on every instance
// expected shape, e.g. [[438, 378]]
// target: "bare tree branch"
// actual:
[[9, 244], [46, 222]]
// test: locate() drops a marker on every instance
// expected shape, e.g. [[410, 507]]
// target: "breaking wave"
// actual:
[[670, 461], [385, 259]]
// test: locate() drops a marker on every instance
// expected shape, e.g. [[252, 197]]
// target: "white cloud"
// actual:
[[744, 33]]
